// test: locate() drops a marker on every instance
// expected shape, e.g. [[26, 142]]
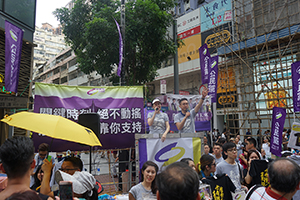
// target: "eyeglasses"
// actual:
[[213, 164], [231, 150], [66, 170]]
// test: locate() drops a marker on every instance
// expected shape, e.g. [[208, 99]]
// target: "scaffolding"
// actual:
[[255, 64]]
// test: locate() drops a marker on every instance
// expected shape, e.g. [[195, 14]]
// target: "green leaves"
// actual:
[[92, 33]]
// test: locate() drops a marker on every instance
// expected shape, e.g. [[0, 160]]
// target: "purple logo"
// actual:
[[172, 159], [95, 91]]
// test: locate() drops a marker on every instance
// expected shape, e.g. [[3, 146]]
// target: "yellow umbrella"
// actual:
[[53, 126]]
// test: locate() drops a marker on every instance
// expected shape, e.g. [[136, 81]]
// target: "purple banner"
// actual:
[[213, 78], [296, 85], [204, 62], [120, 50], [278, 120], [13, 48], [120, 119]]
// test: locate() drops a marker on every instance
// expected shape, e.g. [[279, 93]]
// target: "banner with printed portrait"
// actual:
[[120, 109], [170, 105], [169, 151]]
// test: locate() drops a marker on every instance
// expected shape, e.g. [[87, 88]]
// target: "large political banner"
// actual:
[[120, 109], [169, 151]]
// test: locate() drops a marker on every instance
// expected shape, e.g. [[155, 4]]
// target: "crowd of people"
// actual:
[[28, 178], [259, 177], [228, 166]]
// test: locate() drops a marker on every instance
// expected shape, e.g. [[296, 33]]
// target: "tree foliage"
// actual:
[[91, 32]]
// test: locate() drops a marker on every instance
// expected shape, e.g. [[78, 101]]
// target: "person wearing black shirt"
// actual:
[[221, 186]]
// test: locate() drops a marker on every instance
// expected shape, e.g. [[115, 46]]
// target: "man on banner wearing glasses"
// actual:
[[185, 119]]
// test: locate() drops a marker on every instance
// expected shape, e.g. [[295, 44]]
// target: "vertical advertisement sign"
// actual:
[[296, 85], [278, 119], [13, 48], [204, 62], [213, 78], [163, 86]]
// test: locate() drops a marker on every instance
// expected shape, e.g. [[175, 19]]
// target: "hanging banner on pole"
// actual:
[[296, 85], [120, 50], [213, 78], [13, 48], [278, 120], [204, 62]]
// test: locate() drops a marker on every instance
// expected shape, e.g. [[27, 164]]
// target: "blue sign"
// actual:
[[215, 13]]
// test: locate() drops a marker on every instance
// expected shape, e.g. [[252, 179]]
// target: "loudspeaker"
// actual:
[[91, 121]]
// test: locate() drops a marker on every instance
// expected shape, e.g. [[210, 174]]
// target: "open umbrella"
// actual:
[[53, 126]]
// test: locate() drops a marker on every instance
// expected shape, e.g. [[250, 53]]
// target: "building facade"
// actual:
[[256, 40], [21, 14], [49, 42], [63, 69]]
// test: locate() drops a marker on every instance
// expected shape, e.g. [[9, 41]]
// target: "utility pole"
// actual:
[[176, 73]]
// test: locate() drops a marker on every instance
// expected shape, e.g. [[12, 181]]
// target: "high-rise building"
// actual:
[[49, 42]]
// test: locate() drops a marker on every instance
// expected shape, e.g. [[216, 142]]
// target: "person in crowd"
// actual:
[[190, 162], [185, 119], [284, 176], [252, 155], [70, 165], [266, 147], [207, 166], [217, 153], [148, 184], [248, 132], [285, 140], [43, 152], [83, 184], [251, 144], [24, 195], [38, 177], [259, 138], [243, 159], [207, 150], [3, 179], [17, 155], [178, 181], [229, 166], [158, 121]]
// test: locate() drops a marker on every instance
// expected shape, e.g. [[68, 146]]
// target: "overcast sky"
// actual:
[[44, 9]]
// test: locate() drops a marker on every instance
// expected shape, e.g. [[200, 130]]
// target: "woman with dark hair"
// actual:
[[38, 177], [208, 166], [252, 155], [190, 162], [148, 185]]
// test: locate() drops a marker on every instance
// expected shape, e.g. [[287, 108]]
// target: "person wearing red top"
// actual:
[[284, 175]]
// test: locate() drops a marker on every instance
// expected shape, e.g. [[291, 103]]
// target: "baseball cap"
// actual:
[[155, 100]]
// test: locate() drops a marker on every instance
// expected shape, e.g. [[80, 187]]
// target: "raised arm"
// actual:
[[199, 104]]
